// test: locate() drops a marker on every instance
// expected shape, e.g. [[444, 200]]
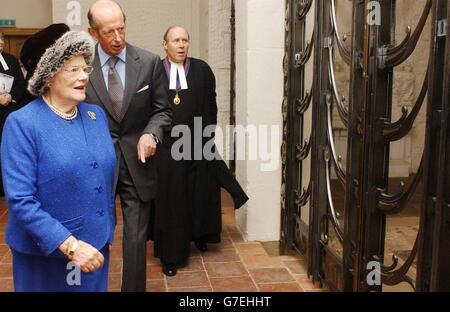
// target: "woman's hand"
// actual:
[[85, 256]]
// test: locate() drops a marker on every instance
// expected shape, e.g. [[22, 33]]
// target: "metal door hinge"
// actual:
[[442, 28]]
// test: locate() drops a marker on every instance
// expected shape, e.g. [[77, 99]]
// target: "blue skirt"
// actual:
[[54, 274]]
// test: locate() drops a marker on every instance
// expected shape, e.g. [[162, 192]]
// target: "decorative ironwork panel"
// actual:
[[434, 247], [347, 246], [296, 103]]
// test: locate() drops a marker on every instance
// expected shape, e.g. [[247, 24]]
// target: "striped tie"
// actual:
[[115, 87]]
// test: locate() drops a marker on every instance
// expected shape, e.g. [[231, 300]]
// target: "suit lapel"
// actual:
[[98, 83], [133, 69]]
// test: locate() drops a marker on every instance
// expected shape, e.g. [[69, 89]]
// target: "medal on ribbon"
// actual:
[[176, 99], [173, 74]]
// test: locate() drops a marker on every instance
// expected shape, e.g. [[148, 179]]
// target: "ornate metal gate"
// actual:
[[339, 215]]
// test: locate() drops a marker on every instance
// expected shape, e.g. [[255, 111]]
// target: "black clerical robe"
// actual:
[[188, 203]]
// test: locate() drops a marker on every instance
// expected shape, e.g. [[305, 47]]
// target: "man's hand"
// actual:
[[5, 99], [146, 147]]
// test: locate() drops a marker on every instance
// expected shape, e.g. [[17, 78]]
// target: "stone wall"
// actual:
[[219, 57], [259, 97]]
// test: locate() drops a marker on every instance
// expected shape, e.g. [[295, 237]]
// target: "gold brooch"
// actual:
[[92, 115]]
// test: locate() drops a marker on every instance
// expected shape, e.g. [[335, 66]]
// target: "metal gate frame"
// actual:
[[372, 58]]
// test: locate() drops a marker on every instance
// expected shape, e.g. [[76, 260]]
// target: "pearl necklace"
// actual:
[[66, 116]]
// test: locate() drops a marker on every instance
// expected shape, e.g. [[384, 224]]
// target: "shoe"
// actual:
[[201, 246], [169, 269]]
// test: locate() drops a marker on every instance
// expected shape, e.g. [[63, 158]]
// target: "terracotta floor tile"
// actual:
[[226, 199], [118, 237], [280, 287], [114, 281], [236, 237], [115, 252], [4, 249], [228, 218], [191, 289], [6, 285], [250, 249], [195, 279], [115, 266], [306, 283], [154, 272], [222, 256], [225, 269], [271, 275], [157, 285], [153, 261], [7, 259], [327, 290], [233, 284], [296, 267], [225, 235], [149, 250], [194, 264], [226, 243], [6, 271], [231, 228], [290, 258], [261, 261]]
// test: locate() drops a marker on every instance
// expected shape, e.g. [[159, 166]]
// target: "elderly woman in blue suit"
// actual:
[[58, 170]]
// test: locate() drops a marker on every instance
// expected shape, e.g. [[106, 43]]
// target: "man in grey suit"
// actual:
[[128, 83]]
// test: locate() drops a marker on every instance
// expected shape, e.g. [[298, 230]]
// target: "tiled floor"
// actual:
[[233, 265]]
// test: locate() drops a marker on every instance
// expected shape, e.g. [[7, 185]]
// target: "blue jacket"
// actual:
[[58, 177]]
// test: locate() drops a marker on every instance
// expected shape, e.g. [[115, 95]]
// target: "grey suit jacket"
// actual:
[[147, 111]]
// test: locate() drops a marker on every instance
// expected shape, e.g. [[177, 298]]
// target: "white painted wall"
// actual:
[[219, 58], [259, 95], [148, 20], [20, 11]]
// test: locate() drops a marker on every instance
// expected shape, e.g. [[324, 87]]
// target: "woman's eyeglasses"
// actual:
[[74, 71]]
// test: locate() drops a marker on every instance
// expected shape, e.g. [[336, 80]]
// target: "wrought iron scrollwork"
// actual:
[[390, 275], [302, 199], [303, 151], [343, 50], [333, 215], [391, 204], [397, 130], [303, 57], [304, 103], [303, 8], [391, 57], [341, 108], [299, 51], [402, 45], [336, 159]]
